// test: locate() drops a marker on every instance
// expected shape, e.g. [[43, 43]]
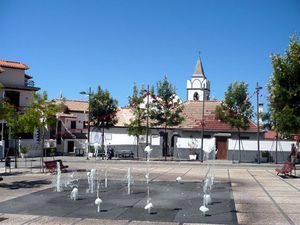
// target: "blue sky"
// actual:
[[73, 45]]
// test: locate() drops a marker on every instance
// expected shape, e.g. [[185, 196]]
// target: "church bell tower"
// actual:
[[198, 88]]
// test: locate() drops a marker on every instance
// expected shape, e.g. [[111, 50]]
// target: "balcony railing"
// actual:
[[29, 83]]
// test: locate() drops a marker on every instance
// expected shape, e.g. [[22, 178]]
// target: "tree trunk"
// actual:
[[43, 150], [276, 148], [137, 146], [239, 136], [16, 157], [102, 140], [165, 142]]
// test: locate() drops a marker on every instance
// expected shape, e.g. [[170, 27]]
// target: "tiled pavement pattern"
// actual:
[[260, 196]]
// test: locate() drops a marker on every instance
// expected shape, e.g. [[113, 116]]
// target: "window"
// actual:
[[196, 96], [245, 138], [73, 124], [13, 97]]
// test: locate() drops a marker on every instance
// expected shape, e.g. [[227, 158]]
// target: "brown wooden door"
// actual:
[[70, 146], [221, 144]]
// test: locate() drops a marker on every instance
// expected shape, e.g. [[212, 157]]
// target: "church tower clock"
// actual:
[[198, 88]]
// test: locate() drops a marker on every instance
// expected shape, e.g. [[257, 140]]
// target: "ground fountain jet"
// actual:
[[58, 178], [129, 180], [74, 194], [98, 200], [208, 183], [91, 180], [96, 147], [179, 178], [149, 204]]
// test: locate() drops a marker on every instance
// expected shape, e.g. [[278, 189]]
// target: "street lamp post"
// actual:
[[202, 122], [89, 119], [258, 88], [147, 118]]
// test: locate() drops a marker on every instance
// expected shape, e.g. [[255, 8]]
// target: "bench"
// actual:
[[52, 165], [124, 154], [287, 168]]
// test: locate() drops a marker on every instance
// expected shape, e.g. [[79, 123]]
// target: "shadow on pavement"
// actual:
[[24, 184]]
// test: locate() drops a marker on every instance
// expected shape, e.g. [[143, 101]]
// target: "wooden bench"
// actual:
[[52, 165], [287, 168], [124, 154]]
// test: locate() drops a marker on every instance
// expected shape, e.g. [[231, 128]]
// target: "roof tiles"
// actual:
[[14, 65]]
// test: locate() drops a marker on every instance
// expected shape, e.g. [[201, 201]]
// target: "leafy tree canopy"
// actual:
[[166, 108], [137, 126], [284, 89], [236, 109], [40, 113], [103, 109]]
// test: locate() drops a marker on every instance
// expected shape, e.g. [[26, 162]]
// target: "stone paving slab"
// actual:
[[261, 218], [255, 208], [257, 190]]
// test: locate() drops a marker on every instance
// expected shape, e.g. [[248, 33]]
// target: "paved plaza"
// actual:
[[243, 194]]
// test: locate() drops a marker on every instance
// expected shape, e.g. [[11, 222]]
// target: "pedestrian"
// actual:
[[293, 153]]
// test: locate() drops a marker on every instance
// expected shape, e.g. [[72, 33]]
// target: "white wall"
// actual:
[[118, 136], [186, 142], [25, 97], [78, 143], [265, 145], [12, 77]]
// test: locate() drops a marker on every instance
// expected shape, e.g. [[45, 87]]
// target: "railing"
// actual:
[[29, 83]]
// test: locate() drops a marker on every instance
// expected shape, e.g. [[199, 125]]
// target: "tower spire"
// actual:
[[199, 68]]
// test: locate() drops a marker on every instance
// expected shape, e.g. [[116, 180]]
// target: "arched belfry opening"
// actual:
[[196, 96]]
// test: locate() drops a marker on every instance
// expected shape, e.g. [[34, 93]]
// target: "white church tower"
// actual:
[[198, 88]]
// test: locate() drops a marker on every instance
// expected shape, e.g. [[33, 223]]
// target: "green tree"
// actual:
[[5, 107], [284, 90], [40, 114], [166, 109], [103, 110], [236, 109], [137, 127]]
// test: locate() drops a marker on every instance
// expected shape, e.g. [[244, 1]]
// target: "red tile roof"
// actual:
[[11, 64], [270, 134], [75, 105], [193, 116]]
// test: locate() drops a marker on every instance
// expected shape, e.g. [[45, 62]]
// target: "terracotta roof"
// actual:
[[270, 134], [11, 64], [193, 117], [75, 105], [124, 114]]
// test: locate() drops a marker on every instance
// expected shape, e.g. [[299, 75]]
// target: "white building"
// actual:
[[18, 88], [199, 114], [72, 127]]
